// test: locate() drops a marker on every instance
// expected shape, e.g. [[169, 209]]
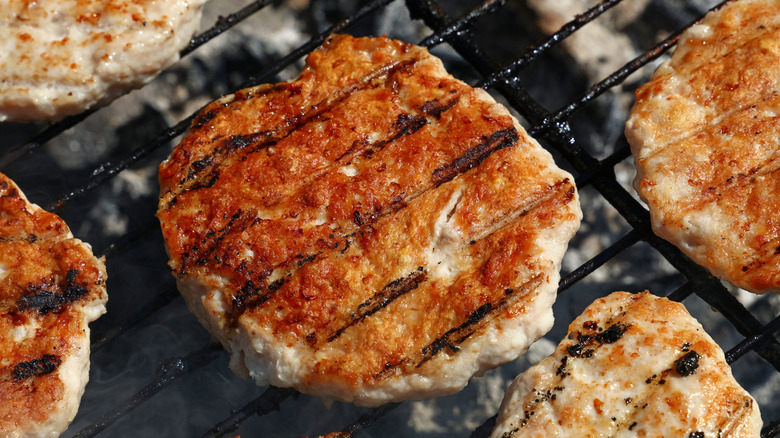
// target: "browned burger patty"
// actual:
[[705, 134], [375, 230], [51, 286], [632, 365]]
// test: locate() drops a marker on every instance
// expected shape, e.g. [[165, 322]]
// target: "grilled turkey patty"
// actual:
[[61, 57], [632, 365], [705, 135], [51, 287], [372, 231]]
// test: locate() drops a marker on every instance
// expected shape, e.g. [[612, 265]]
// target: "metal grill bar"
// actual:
[[160, 300], [168, 372], [462, 23], [533, 52], [268, 402], [752, 342], [633, 237]]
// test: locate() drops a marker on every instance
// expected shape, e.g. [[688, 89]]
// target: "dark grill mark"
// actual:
[[237, 143], [198, 253], [36, 367], [250, 295], [44, 302], [687, 364], [306, 259], [47, 301], [477, 318], [408, 124], [578, 349], [457, 334], [383, 298], [405, 124], [355, 146], [357, 218], [561, 371], [435, 108], [612, 334], [227, 147], [241, 142], [199, 165], [204, 183], [274, 286], [205, 117], [13, 193], [475, 156]]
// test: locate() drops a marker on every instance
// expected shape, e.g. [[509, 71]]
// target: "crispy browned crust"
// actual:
[[311, 206], [47, 278], [704, 132], [631, 365]]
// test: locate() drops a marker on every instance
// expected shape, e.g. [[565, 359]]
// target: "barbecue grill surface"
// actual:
[[155, 370]]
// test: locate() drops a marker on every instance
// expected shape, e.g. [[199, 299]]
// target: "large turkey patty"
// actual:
[[373, 231]]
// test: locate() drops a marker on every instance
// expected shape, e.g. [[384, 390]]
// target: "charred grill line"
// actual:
[[611, 335], [383, 298], [48, 363], [197, 254], [228, 147], [408, 124], [477, 319], [47, 301], [435, 109], [561, 188], [405, 124], [476, 155], [289, 125], [457, 334], [251, 296]]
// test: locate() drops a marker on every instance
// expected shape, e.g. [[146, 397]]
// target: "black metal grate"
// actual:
[[147, 376]]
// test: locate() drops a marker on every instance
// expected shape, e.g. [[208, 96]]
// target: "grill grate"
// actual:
[[145, 374]]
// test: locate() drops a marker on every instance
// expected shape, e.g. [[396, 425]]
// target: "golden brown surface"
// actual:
[[374, 217], [706, 141], [50, 287], [632, 365]]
